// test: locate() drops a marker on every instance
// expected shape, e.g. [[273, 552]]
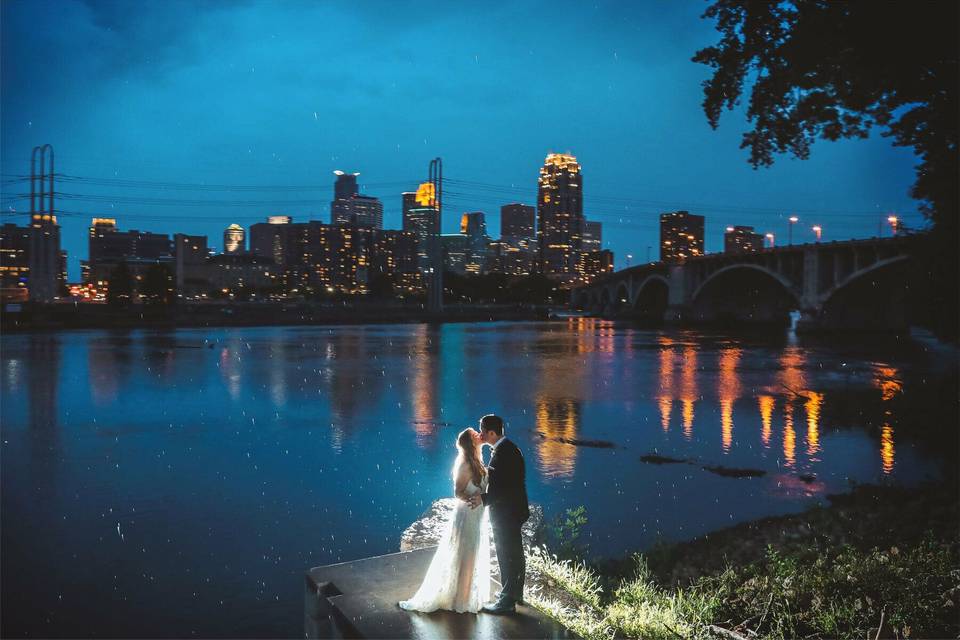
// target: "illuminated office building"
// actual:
[[190, 255], [269, 238], [594, 264], [514, 258], [517, 222], [350, 207], [592, 235], [14, 263], [44, 258], [741, 240], [317, 258], [395, 255], [234, 239], [560, 216], [108, 247], [681, 236], [422, 217]]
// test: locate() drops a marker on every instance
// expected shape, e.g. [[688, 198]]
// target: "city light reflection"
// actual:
[[665, 400], [729, 390], [422, 387], [886, 448], [688, 390], [812, 407], [886, 378], [767, 404], [557, 419], [789, 436]]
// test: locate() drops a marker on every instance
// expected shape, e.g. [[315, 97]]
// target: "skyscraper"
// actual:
[[269, 239], [409, 203], [474, 226], [190, 256], [741, 239], [681, 236], [422, 217], [560, 216], [109, 247], [14, 263], [44, 257], [234, 239], [517, 222], [350, 207], [592, 235]]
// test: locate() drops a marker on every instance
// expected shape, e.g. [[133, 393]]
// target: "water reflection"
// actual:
[[886, 448], [44, 386], [92, 429], [688, 389], [665, 398], [728, 390], [669, 391], [767, 405], [887, 379], [557, 419], [812, 407], [425, 371]]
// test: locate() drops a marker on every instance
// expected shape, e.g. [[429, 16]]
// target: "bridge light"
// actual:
[[771, 238], [894, 223], [817, 229], [793, 220]]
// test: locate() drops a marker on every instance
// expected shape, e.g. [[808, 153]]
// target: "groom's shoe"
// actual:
[[500, 607]]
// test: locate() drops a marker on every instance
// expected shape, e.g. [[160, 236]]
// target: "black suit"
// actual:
[[507, 498]]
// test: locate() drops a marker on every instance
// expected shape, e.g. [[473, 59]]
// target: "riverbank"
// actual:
[[63, 316], [882, 561]]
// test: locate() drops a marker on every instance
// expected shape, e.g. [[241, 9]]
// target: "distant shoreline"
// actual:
[[66, 316]]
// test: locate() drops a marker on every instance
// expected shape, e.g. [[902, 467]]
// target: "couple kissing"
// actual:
[[458, 578]]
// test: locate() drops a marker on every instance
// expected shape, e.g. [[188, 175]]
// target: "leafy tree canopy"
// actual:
[[832, 70]]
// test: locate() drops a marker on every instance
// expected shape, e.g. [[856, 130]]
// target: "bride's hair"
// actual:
[[469, 455]]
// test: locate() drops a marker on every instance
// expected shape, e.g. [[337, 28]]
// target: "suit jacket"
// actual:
[[506, 485]]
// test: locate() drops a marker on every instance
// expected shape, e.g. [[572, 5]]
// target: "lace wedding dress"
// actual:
[[459, 575]]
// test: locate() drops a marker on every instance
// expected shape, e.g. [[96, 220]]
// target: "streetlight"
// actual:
[[894, 223], [792, 220], [817, 229], [772, 240], [629, 258]]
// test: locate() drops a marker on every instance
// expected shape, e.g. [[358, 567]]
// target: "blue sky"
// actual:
[[279, 94]]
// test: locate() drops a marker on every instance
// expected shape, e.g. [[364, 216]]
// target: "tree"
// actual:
[[835, 70], [157, 285], [381, 286], [120, 286], [832, 70]]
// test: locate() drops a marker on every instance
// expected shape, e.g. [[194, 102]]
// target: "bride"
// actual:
[[459, 575]]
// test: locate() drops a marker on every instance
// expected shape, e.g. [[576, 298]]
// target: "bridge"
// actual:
[[856, 284]]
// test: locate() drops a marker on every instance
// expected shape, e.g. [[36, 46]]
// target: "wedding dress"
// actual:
[[459, 575]]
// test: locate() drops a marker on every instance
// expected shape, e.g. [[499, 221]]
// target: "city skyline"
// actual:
[[634, 122]]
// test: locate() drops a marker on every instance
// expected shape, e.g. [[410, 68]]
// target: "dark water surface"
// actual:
[[179, 483]]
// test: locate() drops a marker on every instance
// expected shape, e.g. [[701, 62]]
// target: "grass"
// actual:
[[848, 593]]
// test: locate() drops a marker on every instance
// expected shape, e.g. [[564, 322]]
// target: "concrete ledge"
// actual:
[[359, 600]]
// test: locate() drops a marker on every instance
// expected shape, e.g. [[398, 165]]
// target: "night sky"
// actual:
[[165, 96]]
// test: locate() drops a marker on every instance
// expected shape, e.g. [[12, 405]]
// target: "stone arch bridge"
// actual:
[[857, 284]]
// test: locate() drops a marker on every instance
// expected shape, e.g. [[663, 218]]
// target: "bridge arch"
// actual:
[[744, 293], [650, 299], [872, 298], [856, 276], [787, 285]]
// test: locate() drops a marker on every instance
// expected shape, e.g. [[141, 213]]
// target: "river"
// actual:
[[179, 483]]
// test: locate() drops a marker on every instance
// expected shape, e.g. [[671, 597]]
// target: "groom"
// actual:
[[507, 498]]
